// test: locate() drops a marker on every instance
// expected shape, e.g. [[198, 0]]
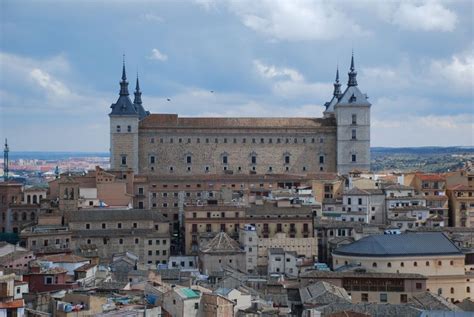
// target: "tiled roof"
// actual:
[[63, 258], [322, 293], [354, 274], [173, 120], [431, 177], [407, 244], [430, 301], [461, 187], [221, 243], [104, 214]]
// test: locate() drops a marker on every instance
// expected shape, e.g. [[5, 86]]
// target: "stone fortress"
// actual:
[[167, 144]]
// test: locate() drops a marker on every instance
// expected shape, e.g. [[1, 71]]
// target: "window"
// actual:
[[104, 226], [468, 289], [364, 297], [137, 241], [354, 136], [452, 290], [152, 159], [403, 298], [118, 128], [360, 201], [135, 225], [374, 264], [123, 160], [48, 280], [152, 140], [440, 263], [287, 159], [88, 225], [196, 306], [188, 159], [349, 201], [129, 128], [415, 264], [402, 264], [354, 119], [383, 297], [224, 159], [254, 159], [321, 159], [353, 158], [119, 225], [120, 241], [389, 264]]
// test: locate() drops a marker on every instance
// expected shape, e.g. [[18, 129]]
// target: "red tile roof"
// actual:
[[17, 303]]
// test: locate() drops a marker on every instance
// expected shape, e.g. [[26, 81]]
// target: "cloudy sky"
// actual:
[[60, 64]]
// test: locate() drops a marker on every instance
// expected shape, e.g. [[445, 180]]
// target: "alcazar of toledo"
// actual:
[[167, 144]]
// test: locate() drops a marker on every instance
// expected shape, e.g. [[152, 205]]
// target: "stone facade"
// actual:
[[166, 144]]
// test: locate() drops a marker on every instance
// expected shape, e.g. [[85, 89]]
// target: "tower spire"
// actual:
[[352, 74], [337, 85], [138, 93], [5, 161], [124, 82]]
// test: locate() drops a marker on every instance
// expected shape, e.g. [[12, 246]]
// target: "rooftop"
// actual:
[[104, 214], [221, 243], [407, 244], [173, 120]]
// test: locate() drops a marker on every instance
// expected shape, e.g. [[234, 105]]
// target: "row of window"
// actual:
[[137, 241], [225, 159], [119, 226], [171, 169], [235, 140], [119, 128]]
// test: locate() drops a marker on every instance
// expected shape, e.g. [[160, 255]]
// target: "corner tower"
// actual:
[[124, 119], [352, 112]]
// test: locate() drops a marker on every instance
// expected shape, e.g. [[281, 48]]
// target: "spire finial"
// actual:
[[337, 86], [6, 162], [352, 74], [352, 61], [137, 93], [124, 83], [124, 75]]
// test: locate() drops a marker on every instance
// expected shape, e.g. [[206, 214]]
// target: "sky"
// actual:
[[61, 63]]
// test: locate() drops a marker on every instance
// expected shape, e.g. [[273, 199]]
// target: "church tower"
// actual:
[[124, 119], [352, 112]]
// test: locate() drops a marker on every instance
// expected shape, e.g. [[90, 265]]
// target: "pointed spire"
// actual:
[[5, 161], [124, 83], [138, 93], [337, 85], [352, 74]]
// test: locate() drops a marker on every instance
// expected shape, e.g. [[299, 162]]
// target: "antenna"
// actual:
[[5, 161]]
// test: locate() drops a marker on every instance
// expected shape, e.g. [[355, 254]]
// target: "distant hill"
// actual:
[[53, 156]]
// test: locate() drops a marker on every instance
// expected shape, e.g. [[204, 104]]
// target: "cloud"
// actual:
[[429, 16], [151, 17], [295, 20], [457, 72], [50, 84], [289, 83], [440, 130], [157, 55]]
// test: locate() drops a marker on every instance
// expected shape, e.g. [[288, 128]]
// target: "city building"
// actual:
[[166, 144], [363, 205], [461, 205], [431, 254], [143, 232], [392, 288], [221, 252]]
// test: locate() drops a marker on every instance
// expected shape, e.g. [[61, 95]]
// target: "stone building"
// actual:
[[392, 288], [461, 205], [142, 232], [202, 223], [167, 144], [431, 254], [221, 252]]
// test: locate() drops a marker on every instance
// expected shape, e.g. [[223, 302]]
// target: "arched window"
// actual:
[[415, 264], [374, 264], [23, 216], [40, 198], [28, 199], [452, 290], [35, 199], [468, 289], [32, 216], [389, 264], [427, 263], [451, 262], [440, 263], [402, 264]]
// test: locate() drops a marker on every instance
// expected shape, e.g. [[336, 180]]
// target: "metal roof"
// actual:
[[408, 244]]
